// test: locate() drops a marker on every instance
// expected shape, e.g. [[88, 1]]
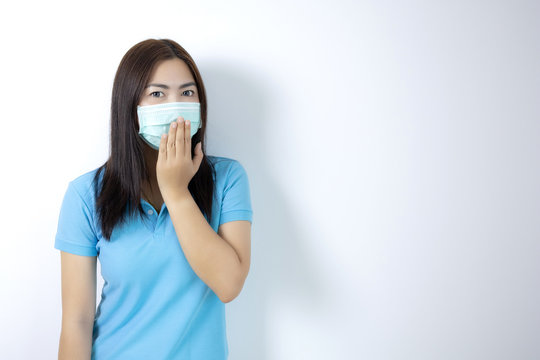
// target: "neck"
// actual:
[[150, 157]]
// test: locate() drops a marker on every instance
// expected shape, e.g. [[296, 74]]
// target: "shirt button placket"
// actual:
[[151, 213]]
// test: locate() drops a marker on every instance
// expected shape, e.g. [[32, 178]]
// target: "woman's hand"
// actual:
[[174, 167]]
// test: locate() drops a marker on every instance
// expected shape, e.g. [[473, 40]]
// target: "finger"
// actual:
[[163, 148], [187, 137], [180, 137], [171, 142]]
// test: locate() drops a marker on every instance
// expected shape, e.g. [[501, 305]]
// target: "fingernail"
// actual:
[[173, 124], [187, 122]]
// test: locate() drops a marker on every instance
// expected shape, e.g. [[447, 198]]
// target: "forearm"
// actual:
[[75, 341], [211, 257]]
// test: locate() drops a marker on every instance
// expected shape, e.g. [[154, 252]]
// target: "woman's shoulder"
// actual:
[[223, 165], [84, 183], [219, 159]]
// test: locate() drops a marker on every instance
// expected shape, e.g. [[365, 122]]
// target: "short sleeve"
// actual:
[[75, 233], [236, 202]]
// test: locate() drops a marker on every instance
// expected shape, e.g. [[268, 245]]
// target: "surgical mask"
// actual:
[[155, 120]]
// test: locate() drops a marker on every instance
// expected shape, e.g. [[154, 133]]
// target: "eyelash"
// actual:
[[161, 92]]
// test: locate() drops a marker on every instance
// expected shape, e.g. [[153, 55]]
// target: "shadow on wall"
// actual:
[[283, 280]]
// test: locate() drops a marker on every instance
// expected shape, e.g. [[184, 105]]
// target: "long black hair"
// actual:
[[126, 170]]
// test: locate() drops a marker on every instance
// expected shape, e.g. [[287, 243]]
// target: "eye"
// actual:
[[193, 92], [157, 94]]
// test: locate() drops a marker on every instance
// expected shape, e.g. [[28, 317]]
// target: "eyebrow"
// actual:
[[163, 86]]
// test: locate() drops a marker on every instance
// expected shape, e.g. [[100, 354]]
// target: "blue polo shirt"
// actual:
[[153, 305]]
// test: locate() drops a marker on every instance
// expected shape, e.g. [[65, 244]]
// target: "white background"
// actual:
[[392, 150]]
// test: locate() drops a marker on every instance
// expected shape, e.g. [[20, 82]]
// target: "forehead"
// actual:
[[171, 70]]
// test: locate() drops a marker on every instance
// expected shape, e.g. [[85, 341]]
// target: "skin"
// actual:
[[221, 259]]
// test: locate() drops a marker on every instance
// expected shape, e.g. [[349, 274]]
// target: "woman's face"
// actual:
[[170, 81]]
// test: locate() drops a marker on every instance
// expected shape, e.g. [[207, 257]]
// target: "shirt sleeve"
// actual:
[[236, 202], [75, 233]]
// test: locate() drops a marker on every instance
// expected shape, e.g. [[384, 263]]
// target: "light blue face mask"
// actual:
[[155, 120]]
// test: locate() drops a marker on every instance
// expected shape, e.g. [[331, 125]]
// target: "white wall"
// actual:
[[392, 150]]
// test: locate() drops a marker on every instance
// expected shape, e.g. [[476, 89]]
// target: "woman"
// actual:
[[170, 225]]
